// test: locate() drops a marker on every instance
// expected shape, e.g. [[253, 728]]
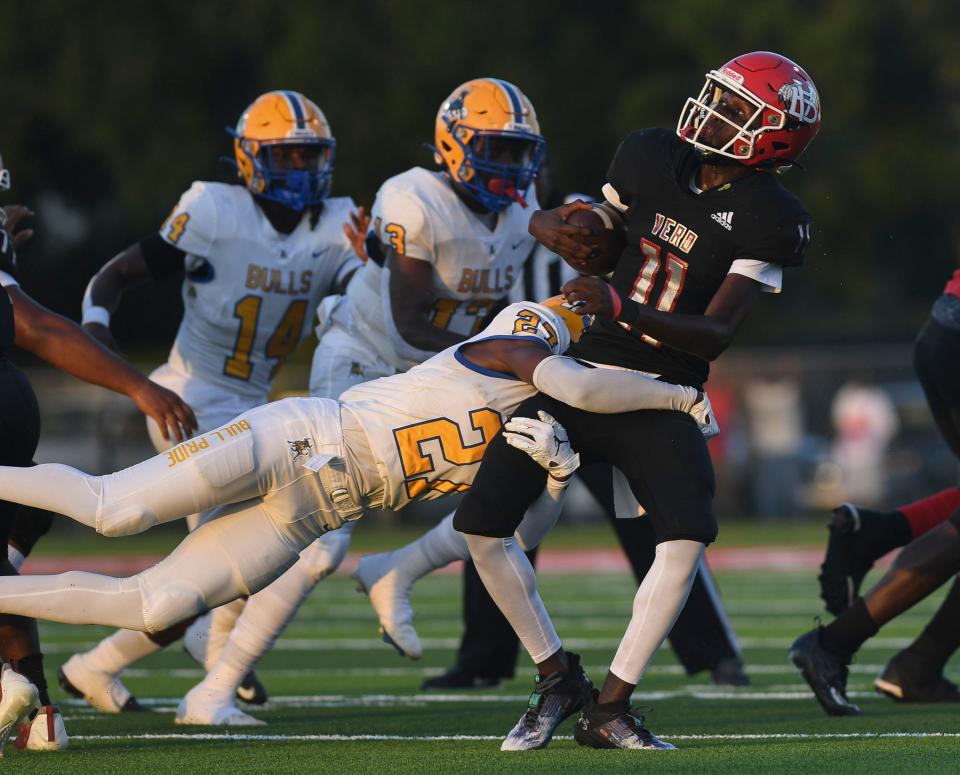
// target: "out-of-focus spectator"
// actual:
[[865, 422]]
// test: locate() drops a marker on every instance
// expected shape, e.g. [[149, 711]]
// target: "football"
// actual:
[[608, 244]]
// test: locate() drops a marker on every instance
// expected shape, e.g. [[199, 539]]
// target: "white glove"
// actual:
[[545, 440], [702, 412]]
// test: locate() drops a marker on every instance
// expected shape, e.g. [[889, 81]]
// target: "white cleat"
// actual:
[[44, 732], [390, 598], [202, 707], [98, 688], [17, 698]]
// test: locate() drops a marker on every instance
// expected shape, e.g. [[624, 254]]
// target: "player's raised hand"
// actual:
[[356, 232], [550, 229], [593, 295], [13, 217], [173, 416]]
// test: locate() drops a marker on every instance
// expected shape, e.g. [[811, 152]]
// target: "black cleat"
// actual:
[[251, 691], [555, 698], [729, 672], [845, 563], [615, 725], [905, 685], [825, 672], [455, 678], [130, 705]]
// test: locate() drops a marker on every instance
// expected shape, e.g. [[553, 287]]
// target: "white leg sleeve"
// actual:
[[435, 549], [542, 515], [120, 650], [656, 606], [509, 578]]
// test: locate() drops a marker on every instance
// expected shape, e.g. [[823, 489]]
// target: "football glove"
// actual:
[[545, 440]]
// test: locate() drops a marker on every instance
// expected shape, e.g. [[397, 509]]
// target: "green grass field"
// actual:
[[344, 702]]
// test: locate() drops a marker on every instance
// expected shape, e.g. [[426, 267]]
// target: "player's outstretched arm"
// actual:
[[606, 391], [128, 269], [706, 336], [62, 343]]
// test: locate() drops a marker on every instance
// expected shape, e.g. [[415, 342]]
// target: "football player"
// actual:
[[284, 473], [63, 344], [445, 248], [257, 258], [709, 229], [929, 528]]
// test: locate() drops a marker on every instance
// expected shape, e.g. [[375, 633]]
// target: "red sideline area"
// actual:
[[768, 558]]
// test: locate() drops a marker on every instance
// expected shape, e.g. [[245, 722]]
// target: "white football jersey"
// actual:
[[428, 428], [249, 291], [418, 214]]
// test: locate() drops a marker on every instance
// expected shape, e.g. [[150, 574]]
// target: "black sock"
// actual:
[[939, 639], [849, 631], [892, 530], [31, 666]]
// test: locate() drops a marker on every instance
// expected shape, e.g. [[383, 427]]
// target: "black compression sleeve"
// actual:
[[162, 258]]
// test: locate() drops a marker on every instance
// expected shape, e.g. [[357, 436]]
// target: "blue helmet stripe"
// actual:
[[514, 96], [299, 116]]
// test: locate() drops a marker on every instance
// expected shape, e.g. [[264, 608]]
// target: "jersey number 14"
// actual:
[[282, 342]]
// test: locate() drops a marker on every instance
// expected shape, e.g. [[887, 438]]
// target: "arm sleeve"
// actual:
[[542, 515], [401, 224], [162, 258], [608, 391], [192, 225]]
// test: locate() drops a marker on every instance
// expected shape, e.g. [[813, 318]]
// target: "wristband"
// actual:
[[95, 314], [615, 301]]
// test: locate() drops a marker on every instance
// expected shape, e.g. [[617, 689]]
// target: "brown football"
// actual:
[[608, 244]]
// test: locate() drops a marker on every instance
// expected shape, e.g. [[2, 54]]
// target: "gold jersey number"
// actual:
[[418, 462], [282, 342]]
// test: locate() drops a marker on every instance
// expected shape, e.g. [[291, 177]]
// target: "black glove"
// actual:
[[8, 256]]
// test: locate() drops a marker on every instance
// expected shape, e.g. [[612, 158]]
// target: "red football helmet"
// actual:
[[785, 116]]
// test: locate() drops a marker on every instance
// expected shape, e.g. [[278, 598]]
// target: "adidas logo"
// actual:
[[724, 219]]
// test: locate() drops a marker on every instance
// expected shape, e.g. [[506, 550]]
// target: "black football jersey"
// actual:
[[8, 264], [681, 244]]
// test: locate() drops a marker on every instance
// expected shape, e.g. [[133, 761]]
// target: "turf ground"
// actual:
[[344, 702]]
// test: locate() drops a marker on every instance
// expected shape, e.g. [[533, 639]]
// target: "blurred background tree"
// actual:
[[111, 109]]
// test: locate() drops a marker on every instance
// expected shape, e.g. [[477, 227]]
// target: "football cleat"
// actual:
[[455, 678], [905, 685], [98, 688], [202, 707], [729, 672], [555, 698], [848, 557], [44, 732], [615, 725], [825, 672], [251, 691], [17, 698], [389, 595]]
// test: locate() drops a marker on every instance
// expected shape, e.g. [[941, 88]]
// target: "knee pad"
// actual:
[[323, 556], [126, 519], [170, 604]]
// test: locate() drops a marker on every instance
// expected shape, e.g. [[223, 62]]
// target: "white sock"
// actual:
[[656, 607], [53, 487], [75, 598], [120, 650], [509, 578], [435, 549], [221, 621]]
